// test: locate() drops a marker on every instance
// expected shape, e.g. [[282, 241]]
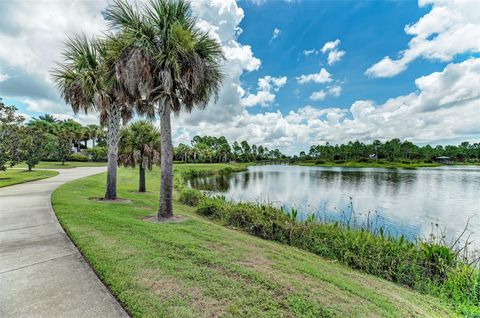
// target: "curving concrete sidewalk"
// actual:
[[42, 274]]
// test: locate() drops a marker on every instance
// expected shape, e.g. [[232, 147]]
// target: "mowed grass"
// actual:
[[16, 176], [197, 268], [67, 165]]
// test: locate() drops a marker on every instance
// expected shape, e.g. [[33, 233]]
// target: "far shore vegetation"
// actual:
[[195, 266]]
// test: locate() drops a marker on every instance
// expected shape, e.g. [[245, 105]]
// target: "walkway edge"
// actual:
[[84, 260]]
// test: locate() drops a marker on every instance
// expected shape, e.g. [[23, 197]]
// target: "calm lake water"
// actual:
[[402, 201]]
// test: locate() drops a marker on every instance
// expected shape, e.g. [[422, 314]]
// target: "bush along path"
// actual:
[[428, 266], [194, 267]]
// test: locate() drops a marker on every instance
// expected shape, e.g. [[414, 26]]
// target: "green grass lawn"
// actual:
[[197, 268], [15, 176], [67, 165]]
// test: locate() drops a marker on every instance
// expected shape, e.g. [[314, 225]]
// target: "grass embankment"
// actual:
[[67, 165], [199, 268], [370, 164], [16, 176]]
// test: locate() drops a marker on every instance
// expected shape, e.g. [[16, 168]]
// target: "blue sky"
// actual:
[[368, 30], [404, 69]]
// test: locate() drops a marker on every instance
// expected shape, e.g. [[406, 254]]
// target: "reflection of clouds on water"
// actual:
[[407, 201]]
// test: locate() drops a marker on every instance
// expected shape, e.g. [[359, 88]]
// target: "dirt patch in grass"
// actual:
[[169, 288], [172, 219], [117, 200]]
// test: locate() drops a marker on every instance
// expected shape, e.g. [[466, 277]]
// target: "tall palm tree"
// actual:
[[140, 145], [166, 64], [86, 81]]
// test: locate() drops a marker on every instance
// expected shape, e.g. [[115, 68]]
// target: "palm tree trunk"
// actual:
[[141, 183], [166, 182], [113, 136]]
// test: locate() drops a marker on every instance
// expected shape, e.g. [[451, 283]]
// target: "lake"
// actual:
[[403, 201]]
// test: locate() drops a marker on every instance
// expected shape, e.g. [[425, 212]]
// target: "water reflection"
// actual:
[[406, 201]]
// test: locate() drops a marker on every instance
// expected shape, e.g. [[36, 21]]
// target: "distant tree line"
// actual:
[[47, 138], [217, 149], [391, 150]]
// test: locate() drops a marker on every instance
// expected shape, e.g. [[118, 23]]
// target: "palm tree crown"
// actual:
[[139, 145], [163, 56], [86, 80]]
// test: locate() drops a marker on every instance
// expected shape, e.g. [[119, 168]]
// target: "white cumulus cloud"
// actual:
[[330, 91], [318, 96], [448, 29], [334, 53], [330, 46], [265, 95], [323, 76]]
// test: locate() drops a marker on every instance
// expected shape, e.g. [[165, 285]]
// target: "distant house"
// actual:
[[374, 156], [443, 159]]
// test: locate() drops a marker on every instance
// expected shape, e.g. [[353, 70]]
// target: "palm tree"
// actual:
[[140, 145], [48, 118], [86, 81], [75, 130], [166, 65], [94, 132], [45, 122]]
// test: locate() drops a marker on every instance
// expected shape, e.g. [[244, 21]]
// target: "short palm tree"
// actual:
[[93, 132], [140, 145], [45, 122], [166, 64], [75, 130], [48, 118], [86, 81]]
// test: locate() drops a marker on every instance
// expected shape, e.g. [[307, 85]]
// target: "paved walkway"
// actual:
[[42, 274]]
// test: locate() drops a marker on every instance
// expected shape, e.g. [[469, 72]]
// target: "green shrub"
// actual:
[[190, 196], [97, 154], [362, 160], [320, 162], [78, 157], [339, 161]]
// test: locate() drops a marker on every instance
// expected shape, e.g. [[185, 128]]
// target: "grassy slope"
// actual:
[[68, 165], [15, 176], [198, 268]]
